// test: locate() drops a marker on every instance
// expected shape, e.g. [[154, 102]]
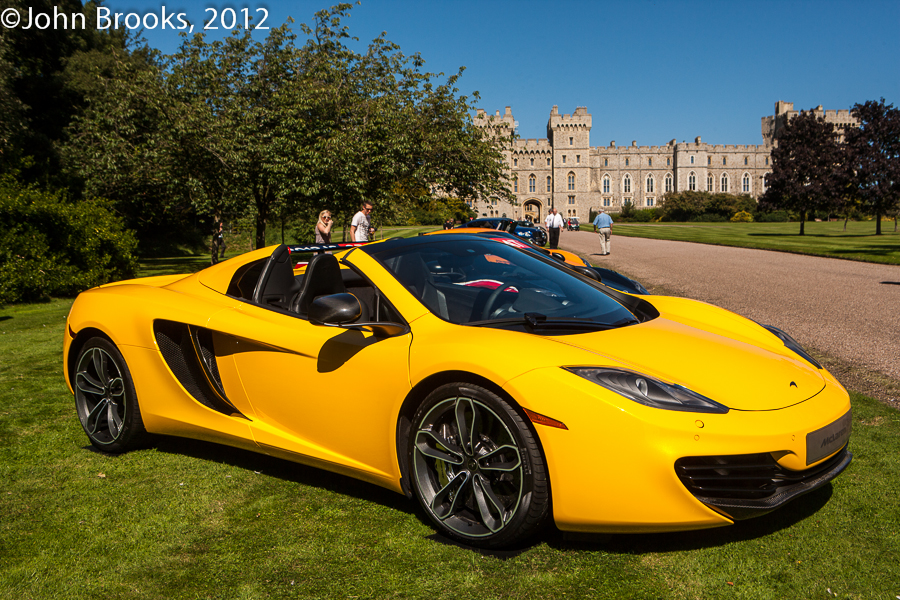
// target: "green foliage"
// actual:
[[742, 217], [50, 247], [628, 210], [237, 128], [703, 206], [874, 158]]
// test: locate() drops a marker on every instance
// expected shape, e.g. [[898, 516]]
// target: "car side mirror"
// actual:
[[334, 309], [342, 310], [587, 272]]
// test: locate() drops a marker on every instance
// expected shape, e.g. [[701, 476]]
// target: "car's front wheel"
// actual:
[[477, 467], [105, 399]]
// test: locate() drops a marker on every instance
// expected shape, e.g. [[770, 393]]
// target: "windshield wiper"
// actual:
[[534, 321]]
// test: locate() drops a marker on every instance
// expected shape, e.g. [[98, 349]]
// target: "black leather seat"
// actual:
[[277, 285], [323, 278]]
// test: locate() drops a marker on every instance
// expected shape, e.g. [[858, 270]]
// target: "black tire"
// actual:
[[488, 488], [105, 398]]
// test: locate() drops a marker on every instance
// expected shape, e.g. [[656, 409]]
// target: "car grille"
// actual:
[[748, 485]]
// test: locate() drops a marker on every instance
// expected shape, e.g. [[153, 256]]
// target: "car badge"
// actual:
[[793, 384]]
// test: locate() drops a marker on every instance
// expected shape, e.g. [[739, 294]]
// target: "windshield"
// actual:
[[477, 281]]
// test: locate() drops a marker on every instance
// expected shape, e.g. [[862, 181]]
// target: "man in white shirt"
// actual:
[[554, 223], [361, 225]]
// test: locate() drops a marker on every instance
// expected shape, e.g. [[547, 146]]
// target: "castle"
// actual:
[[564, 171]]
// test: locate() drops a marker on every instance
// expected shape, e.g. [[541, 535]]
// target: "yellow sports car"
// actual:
[[498, 387]]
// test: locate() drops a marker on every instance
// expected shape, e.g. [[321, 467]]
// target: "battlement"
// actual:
[[841, 115], [532, 144], [482, 119], [580, 118]]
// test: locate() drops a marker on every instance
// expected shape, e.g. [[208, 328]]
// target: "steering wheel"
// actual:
[[492, 300]]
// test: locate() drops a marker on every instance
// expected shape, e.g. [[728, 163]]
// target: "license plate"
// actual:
[[827, 440]]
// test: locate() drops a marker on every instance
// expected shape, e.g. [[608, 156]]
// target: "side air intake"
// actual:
[[188, 351]]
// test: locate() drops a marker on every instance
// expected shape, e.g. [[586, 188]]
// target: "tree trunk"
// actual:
[[802, 222], [845, 223], [260, 227]]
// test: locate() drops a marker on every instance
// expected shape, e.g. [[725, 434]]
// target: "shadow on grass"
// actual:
[[787, 516], [284, 470], [836, 236], [7, 317], [783, 518]]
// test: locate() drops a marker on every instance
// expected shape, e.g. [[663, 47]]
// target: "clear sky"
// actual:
[[647, 70]]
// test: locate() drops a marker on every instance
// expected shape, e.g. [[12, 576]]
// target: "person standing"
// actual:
[[361, 225], [554, 223], [323, 228], [603, 224], [218, 243]]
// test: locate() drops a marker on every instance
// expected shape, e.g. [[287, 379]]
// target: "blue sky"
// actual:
[[647, 70]]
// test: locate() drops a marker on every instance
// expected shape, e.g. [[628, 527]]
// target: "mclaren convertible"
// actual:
[[501, 389]]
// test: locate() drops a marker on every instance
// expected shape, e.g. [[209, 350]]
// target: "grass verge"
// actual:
[[821, 239]]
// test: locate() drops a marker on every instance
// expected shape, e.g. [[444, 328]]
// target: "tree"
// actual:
[[874, 150], [808, 172], [240, 128]]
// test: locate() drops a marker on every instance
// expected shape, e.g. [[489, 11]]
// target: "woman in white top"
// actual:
[[323, 228]]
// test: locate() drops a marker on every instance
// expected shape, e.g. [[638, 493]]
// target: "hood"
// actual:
[[733, 370]]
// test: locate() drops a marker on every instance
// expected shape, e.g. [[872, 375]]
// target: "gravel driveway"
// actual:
[[844, 309]]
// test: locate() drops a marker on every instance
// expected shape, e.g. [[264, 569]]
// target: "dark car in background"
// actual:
[[572, 224], [523, 229]]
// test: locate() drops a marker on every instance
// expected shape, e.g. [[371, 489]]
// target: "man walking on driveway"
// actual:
[[554, 223], [603, 223]]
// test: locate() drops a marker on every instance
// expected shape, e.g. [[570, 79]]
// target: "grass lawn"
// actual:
[[859, 242], [188, 519]]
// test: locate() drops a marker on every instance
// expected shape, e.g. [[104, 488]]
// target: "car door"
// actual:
[[326, 396]]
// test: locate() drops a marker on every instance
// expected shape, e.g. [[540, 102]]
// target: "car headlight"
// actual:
[[791, 344], [649, 391]]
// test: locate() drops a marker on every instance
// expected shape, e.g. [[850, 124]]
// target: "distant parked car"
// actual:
[[573, 225], [524, 229]]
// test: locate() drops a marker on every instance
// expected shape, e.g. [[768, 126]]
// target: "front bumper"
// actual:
[[751, 485]]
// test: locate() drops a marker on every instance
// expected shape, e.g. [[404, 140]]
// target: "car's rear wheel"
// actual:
[[477, 468], [105, 399]]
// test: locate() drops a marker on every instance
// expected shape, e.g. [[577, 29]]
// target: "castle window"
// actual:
[[626, 183], [649, 162], [578, 158], [549, 184], [606, 185], [571, 199], [709, 183], [745, 161], [626, 162], [668, 182], [572, 182], [724, 182], [668, 162], [724, 160], [692, 182], [548, 162], [571, 141], [692, 159], [649, 201], [532, 162], [746, 183], [605, 162], [532, 184], [606, 202], [564, 159], [515, 162], [709, 160], [650, 184], [515, 185], [767, 161]]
